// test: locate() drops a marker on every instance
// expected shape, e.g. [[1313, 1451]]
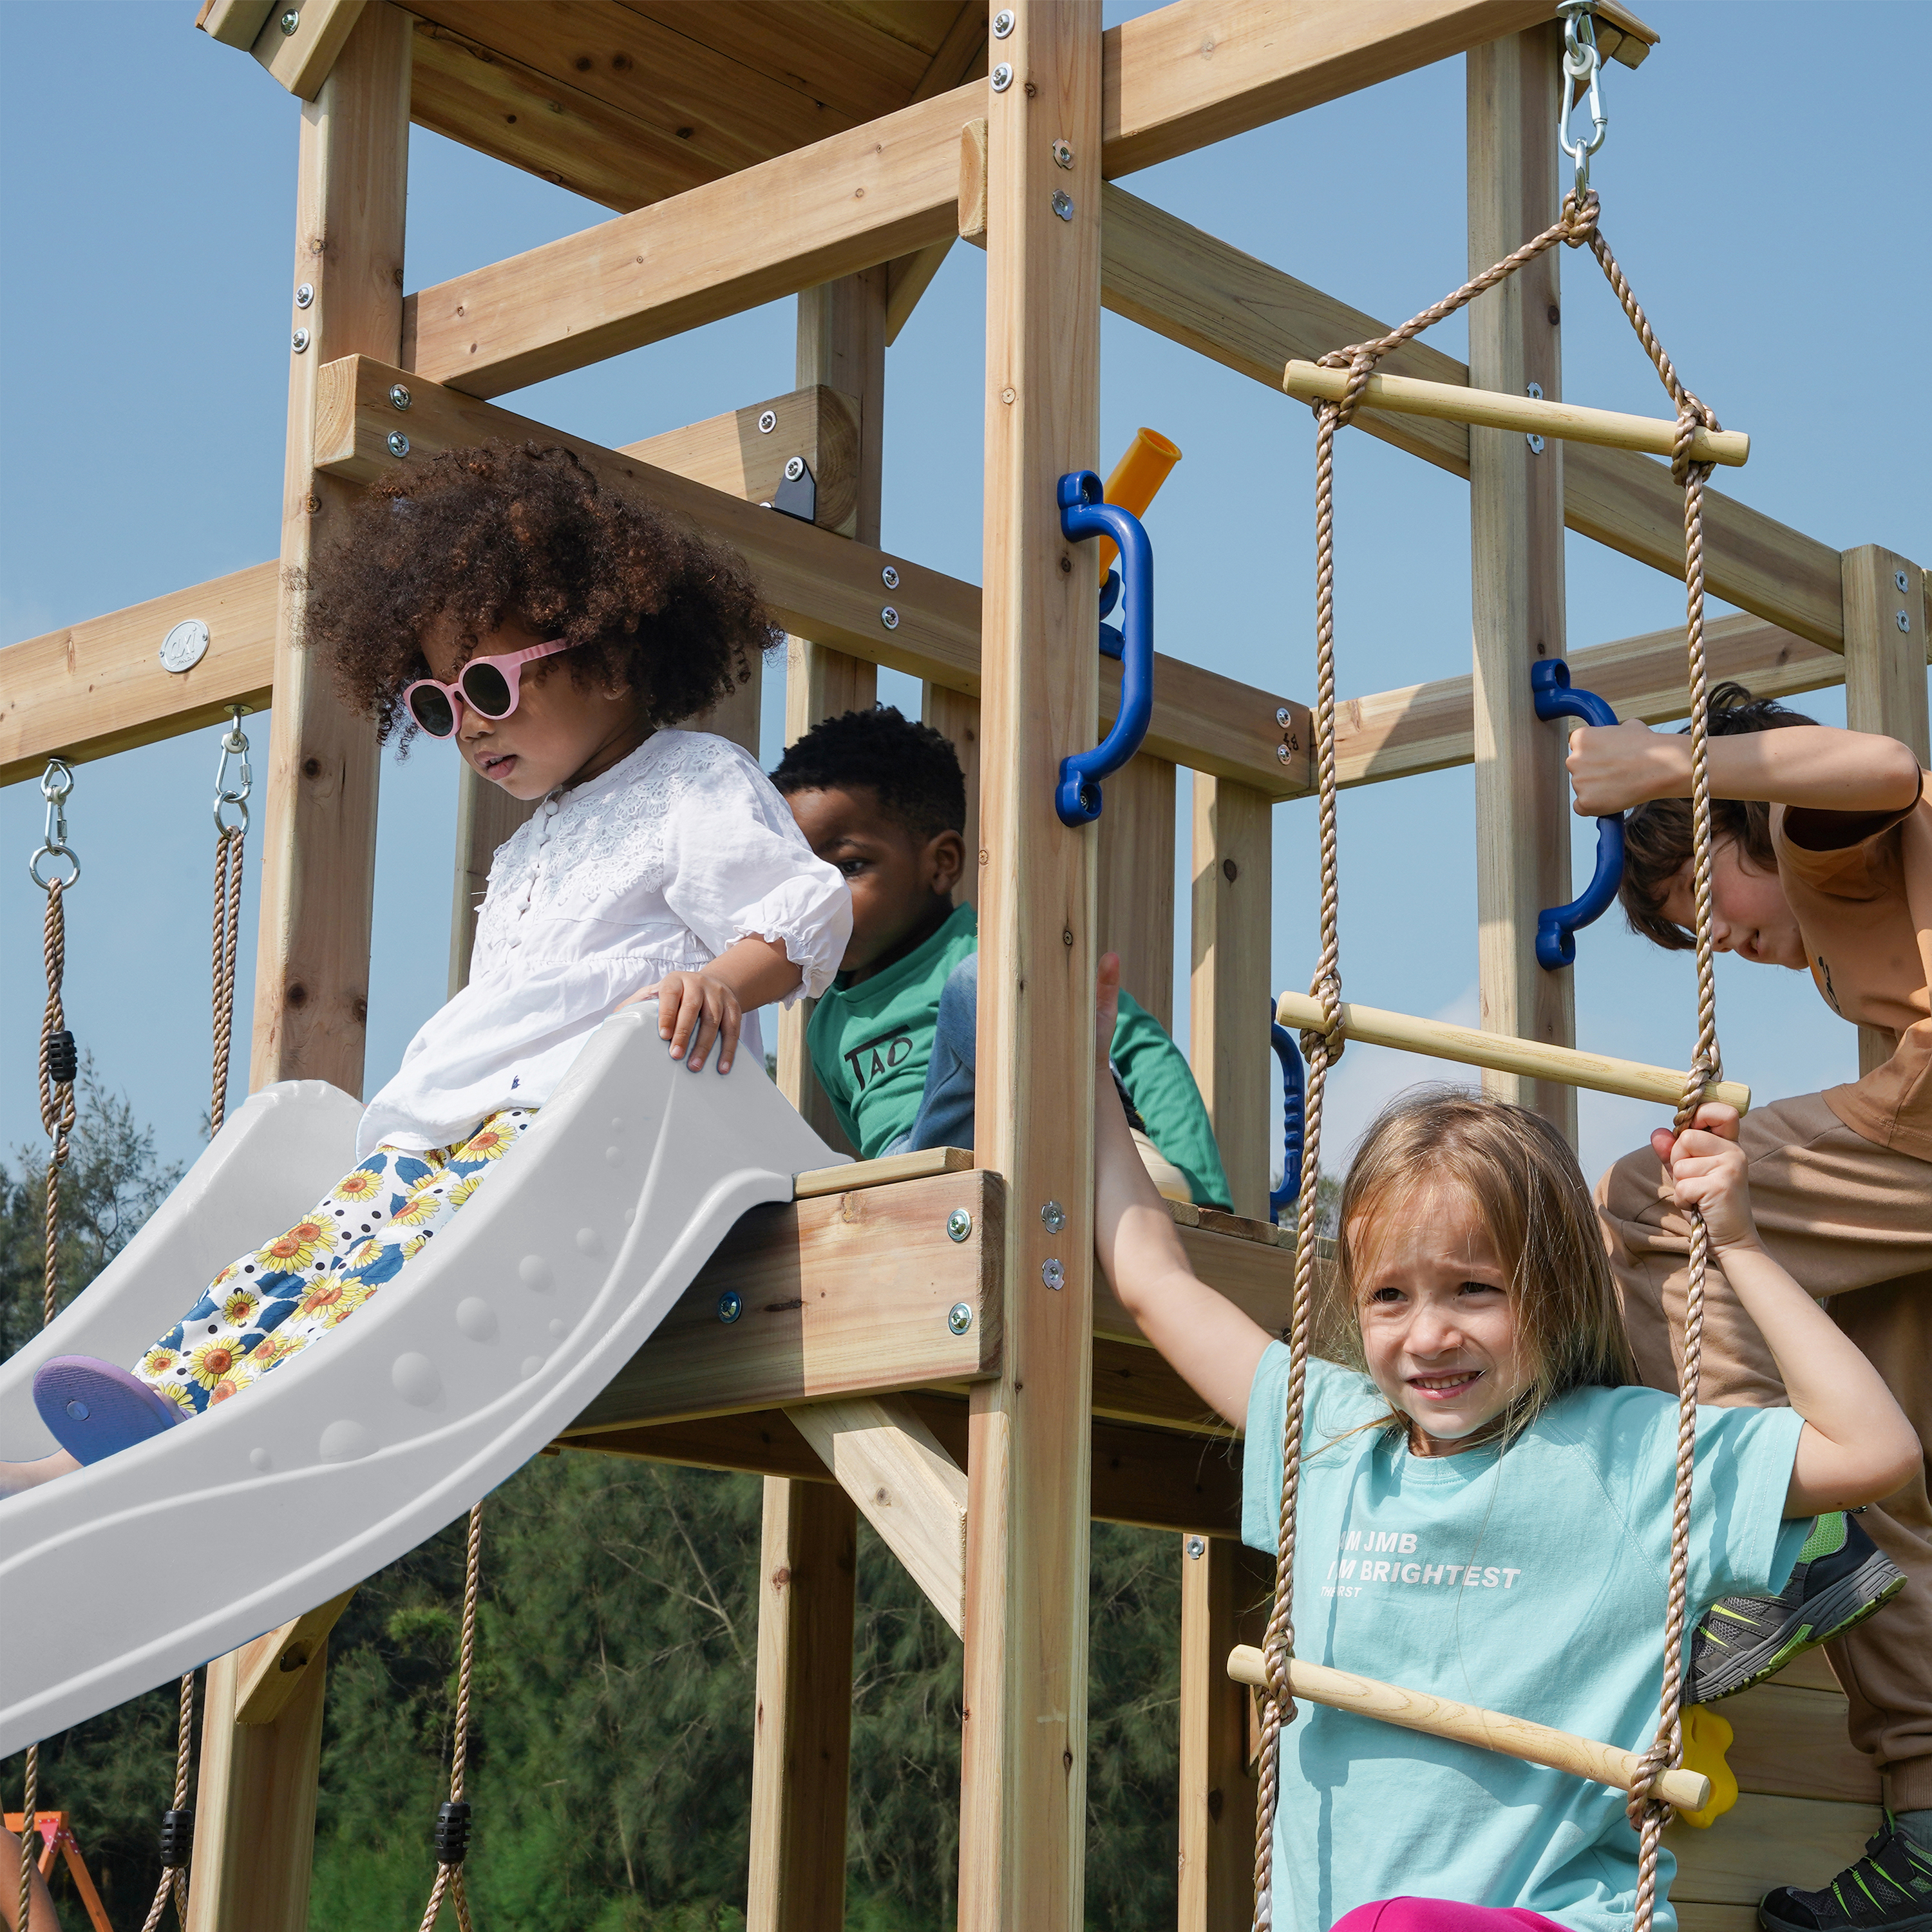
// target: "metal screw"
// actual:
[[304, 295], [1054, 1275], [1535, 390], [1063, 153], [1003, 78], [1053, 1217], [890, 577], [1899, 577], [889, 618], [1535, 445], [1197, 1547], [958, 1224], [1283, 716], [1003, 23], [794, 469], [299, 340], [399, 397], [768, 421], [729, 1306], [1282, 753], [1063, 204], [291, 20], [399, 444], [1905, 623], [959, 1317]]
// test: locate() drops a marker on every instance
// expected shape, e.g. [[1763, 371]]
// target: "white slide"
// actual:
[[124, 1574]]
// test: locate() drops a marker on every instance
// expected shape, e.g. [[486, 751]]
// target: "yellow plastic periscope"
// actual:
[[1136, 478], [1706, 1737]]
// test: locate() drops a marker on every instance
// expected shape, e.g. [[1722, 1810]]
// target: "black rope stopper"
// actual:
[[63, 1060], [177, 1838], [452, 1832]]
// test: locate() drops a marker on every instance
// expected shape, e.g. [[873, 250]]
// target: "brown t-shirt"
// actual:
[[1861, 884]]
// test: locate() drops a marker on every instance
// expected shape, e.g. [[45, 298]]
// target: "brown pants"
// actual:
[[1852, 1221]]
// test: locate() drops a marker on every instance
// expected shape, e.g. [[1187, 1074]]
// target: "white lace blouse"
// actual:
[[657, 866]]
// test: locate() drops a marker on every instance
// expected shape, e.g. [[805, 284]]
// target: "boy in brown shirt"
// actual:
[[1822, 861]]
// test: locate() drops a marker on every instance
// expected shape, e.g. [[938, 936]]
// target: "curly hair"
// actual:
[[914, 772], [1656, 834], [481, 536]]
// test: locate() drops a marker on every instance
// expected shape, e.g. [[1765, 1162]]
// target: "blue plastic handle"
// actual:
[[1293, 1116], [1556, 928], [1082, 515]]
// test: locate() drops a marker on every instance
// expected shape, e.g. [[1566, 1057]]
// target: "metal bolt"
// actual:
[[1535, 445], [889, 618], [1535, 391], [794, 469], [299, 340], [959, 1317], [1054, 1275], [1003, 78], [399, 397], [1053, 1217], [1905, 623], [729, 1306], [1063, 153], [1197, 1547], [890, 577], [958, 1224], [768, 421], [1003, 23], [304, 295], [291, 20], [1282, 753], [1899, 577], [1063, 204], [1283, 716], [399, 444]]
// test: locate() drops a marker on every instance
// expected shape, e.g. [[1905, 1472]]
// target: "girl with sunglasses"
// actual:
[[553, 636]]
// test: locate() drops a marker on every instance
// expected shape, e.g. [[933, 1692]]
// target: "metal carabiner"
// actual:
[[1582, 65], [56, 781], [234, 744]]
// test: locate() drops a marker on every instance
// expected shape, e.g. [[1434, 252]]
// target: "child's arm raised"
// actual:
[[1856, 1445], [1213, 1345]]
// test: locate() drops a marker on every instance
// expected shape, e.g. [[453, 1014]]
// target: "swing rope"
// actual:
[[452, 1821], [1575, 227]]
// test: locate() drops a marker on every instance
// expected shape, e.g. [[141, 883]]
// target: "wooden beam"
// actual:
[[883, 1172], [1516, 545], [843, 1294], [955, 717], [1257, 1276], [1198, 291], [271, 1667], [234, 23], [1134, 867], [301, 59], [1761, 1837]]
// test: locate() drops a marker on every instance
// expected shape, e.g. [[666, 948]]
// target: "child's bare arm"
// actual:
[[1213, 1345], [1614, 767], [1856, 1445]]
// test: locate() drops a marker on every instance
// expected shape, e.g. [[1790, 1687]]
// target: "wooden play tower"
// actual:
[[923, 1339]]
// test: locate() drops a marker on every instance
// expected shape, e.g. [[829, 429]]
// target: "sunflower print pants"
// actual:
[[272, 1302]]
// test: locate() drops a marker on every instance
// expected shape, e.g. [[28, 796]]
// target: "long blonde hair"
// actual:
[[1530, 1193]]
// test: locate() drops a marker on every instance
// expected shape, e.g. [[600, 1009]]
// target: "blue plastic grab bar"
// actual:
[[1294, 1118], [1556, 928], [1083, 515]]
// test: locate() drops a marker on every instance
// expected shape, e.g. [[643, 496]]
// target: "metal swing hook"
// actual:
[[1582, 65], [234, 745], [56, 781]]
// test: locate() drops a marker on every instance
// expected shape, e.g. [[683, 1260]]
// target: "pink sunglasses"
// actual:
[[492, 684]]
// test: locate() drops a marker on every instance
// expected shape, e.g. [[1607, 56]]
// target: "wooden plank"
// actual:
[[486, 815], [1812, 1671], [848, 1294], [1714, 1918], [802, 1730], [917, 1166], [904, 1485], [1793, 1742], [1423, 727], [234, 23], [271, 1668], [1197, 291], [1516, 545], [1229, 990], [301, 60], [97, 687], [1133, 1384], [1763, 1841], [1134, 882], [1023, 1809]]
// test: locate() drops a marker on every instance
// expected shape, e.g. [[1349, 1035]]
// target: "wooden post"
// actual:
[[1224, 1601], [1023, 1755], [955, 717], [1516, 540], [1885, 679], [255, 1815], [801, 1746], [1135, 889], [1230, 996]]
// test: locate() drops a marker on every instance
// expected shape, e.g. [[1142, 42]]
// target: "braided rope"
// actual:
[[228, 855], [449, 1877], [174, 1879], [1576, 227]]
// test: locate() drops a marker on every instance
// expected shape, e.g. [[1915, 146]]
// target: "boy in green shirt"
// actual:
[[892, 1042]]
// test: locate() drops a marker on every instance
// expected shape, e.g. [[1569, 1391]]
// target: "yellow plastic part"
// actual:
[[1136, 478], [1706, 1737]]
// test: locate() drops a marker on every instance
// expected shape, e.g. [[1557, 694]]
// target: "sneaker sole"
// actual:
[[1919, 1922], [1843, 1607]]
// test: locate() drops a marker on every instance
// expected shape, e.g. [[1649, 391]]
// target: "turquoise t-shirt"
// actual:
[[872, 1043], [1531, 1583]]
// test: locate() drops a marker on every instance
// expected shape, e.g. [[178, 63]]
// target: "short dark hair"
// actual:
[[1656, 834], [913, 771]]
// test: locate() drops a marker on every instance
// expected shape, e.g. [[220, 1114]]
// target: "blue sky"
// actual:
[[1762, 186]]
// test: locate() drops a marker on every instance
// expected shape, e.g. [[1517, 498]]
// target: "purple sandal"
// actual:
[[96, 1409]]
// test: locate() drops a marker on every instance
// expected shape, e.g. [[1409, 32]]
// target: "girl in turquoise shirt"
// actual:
[[1486, 1497]]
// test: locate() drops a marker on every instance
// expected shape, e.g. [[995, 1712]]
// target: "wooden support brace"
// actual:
[[300, 55], [1611, 429], [1528, 1058], [1469, 1724], [270, 1670]]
